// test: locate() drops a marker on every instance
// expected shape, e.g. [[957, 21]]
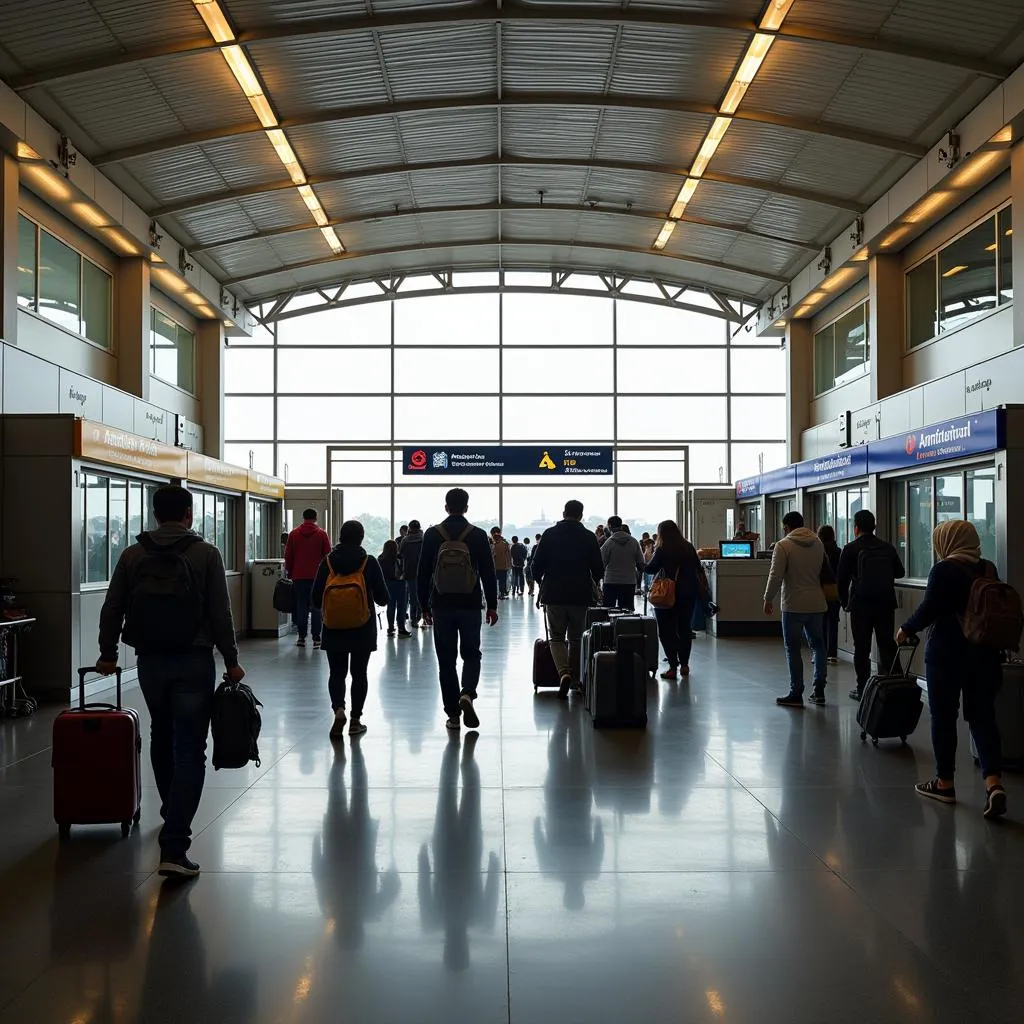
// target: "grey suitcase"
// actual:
[[619, 689], [645, 626]]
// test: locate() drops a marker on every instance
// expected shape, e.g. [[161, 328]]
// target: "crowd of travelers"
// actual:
[[452, 577]]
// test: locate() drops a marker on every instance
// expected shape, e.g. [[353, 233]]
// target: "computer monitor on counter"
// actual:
[[736, 549]]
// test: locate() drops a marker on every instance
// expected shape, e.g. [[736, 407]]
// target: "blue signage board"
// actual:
[[957, 438], [842, 466], [529, 460], [778, 481], [749, 488]]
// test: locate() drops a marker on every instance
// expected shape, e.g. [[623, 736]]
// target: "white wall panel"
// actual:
[[985, 339], [80, 396], [30, 384]]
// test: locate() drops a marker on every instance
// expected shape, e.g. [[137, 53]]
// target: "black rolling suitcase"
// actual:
[[645, 626], [600, 637], [890, 706], [619, 686]]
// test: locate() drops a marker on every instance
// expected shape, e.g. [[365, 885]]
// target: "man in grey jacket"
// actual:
[[177, 682], [796, 570], [623, 566]]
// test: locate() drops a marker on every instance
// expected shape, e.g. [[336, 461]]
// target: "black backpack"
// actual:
[[236, 724], [875, 578], [165, 600]]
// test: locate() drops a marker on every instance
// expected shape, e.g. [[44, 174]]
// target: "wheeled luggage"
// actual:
[[596, 615], [1009, 706], [645, 626], [619, 686], [544, 671], [97, 764], [600, 637], [890, 706]]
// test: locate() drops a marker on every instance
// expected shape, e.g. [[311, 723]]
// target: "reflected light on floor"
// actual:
[[906, 993], [715, 1004], [305, 982]]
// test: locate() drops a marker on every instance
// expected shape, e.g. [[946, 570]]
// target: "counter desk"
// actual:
[[737, 587]]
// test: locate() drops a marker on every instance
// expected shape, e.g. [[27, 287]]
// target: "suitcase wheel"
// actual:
[[64, 830], [875, 741], [137, 818], [126, 829], [863, 737], [903, 740]]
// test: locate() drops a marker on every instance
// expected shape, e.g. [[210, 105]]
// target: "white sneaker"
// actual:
[[338, 727]]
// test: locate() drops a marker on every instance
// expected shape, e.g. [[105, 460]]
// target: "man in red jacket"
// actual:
[[307, 547]]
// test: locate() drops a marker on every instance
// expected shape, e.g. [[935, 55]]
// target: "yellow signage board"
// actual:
[[265, 486], [204, 470], [100, 443]]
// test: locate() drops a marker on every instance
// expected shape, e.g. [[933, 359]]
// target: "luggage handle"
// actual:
[[91, 670], [910, 644]]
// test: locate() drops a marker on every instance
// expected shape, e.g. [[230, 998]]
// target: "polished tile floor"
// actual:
[[736, 862]]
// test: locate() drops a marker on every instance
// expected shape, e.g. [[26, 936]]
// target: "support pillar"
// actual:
[[886, 322], [210, 343], [799, 385], [1017, 192], [133, 327], [9, 256]]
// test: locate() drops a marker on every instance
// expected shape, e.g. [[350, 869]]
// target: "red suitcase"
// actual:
[[544, 671], [97, 764]]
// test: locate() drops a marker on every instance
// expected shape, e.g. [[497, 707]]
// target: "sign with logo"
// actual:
[[101, 443], [864, 425], [941, 442], [843, 466], [749, 488], [581, 460], [204, 470], [263, 485]]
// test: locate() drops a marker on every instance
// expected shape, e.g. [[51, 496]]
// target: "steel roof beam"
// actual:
[[351, 255], [489, 12], [539, 100], [506, 207], [284, 184]]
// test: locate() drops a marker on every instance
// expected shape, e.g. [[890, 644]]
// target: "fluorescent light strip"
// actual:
[[216, 21], [280, 142], [953, 271], [665, 234], [775, 15], [332, 239]]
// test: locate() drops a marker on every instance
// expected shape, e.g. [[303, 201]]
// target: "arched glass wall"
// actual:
[[506, 368]]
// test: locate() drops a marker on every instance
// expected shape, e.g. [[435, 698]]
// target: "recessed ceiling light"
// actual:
[[953, 271]]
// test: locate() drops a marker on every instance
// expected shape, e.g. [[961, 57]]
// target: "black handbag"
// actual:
[[284, 596]]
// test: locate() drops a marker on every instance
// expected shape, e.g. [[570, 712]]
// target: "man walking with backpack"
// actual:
[[456, 571], [306, 548], [168, 598], [868, 570], [519, 553], [410, 549]]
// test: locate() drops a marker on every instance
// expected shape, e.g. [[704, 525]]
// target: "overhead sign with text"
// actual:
[[581, 460]]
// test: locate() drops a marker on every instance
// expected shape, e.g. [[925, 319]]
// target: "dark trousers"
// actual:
[[945, 683], [502, 575], [178, 689], [620, 595], [830, 626], [414, 602], [865, 624], [396, 603], [518, 579], [304, 608], [674, 629], [340, 663], [457, 631]]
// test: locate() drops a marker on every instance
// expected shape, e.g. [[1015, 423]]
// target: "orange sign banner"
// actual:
[[265, 486], [204, 470], [100, 443]]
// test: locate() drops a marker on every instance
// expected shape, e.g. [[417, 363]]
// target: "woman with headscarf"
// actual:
[[953, 665]]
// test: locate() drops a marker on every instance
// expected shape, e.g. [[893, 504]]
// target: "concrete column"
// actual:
[[133, 326], [887, 320], [210, 342], [1017, 192], [799, 385], [9, 256]]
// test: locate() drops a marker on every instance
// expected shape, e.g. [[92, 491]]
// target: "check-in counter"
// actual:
[[737, 587]]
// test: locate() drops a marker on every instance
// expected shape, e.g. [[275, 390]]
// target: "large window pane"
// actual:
[[372, 507], [556, 320], [678, 370], [351, 370], [447, 320], [302, 463], [762, 370], [1005, 255], [899, 508], [824, 359], [851, 344], [981, 508], [95, 304], [262, 456], [652, 466], [949, 498], [967, 276], [60, 285], [136, 511], [361, 466], [27, 264], [172, 350], [558, 371], [919, 527], [749, 459], [754, 418], [420, 420], [922, 301], [248, 419], [248, 369], [642, 508], [562, 417], [447, 371], [709, 464], [531, 510], [353, 325], [640, 323], [94, 557], [333, 419], [661, 418], [118, 519]]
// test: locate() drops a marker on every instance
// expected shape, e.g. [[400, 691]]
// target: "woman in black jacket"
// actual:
[[953, 665], [398, 599], [350, 648], [827, 536], [676, 558]]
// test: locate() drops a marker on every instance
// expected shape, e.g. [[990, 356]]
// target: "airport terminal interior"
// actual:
[[696, 262]]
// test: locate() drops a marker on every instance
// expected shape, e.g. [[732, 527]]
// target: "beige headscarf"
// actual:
[[957, 539]]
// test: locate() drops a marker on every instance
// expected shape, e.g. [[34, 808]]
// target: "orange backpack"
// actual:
[[346, 601]]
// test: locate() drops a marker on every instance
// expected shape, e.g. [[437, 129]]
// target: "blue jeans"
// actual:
[[794, 626], [179, 694], [304, 607], [396, 604], [457, 631]]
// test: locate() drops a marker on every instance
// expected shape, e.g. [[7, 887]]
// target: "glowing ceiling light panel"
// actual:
[[665, 234], [775, 15], [215, 19]]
